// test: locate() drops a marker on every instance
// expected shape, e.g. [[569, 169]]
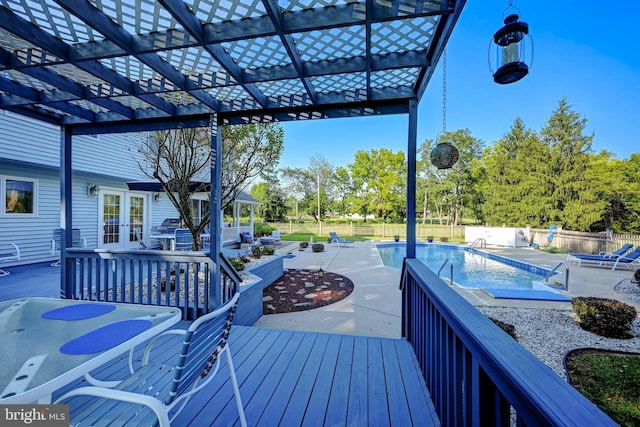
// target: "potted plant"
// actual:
[[396, 238], [430, 239]]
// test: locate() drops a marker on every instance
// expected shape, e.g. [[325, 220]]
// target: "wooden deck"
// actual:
[[291, 378], [286, 378]]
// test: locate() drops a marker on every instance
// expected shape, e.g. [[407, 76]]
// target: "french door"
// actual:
[[123, 218]]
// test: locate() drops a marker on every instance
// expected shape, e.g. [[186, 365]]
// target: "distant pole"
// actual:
[[318, 198]]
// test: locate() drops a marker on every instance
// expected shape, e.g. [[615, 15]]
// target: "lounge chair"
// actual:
[[149, 394], [630, 260], [596, 257], [339, 241], [8, 252]]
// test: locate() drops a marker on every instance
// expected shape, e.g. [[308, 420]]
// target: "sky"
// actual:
[[584, 51]]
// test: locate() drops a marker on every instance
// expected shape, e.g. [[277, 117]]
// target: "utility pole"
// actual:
[[318, 176]]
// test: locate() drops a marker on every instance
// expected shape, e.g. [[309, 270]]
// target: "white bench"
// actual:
[[8, 252]]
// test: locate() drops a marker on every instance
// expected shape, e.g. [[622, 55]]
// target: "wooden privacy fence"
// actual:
[[585, 242], [380, 230]]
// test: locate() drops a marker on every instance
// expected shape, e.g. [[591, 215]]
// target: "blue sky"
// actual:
[[584, 51]]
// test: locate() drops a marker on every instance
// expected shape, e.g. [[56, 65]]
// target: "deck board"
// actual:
[[296, 378]]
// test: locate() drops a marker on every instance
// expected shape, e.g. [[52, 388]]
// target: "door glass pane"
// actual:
[[111, 217], [136, 218]]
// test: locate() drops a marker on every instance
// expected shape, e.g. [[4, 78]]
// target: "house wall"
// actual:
[[31, 149]]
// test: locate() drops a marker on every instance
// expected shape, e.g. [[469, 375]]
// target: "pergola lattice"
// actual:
[[113, 66], [102, 66]]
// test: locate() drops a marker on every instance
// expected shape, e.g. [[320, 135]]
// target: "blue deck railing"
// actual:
[[176, 279], [476, 373]]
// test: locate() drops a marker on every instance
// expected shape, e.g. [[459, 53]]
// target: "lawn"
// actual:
[[610, 380]]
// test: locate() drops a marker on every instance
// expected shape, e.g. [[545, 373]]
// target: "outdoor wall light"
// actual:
[[93, 189], [512, 58], [156, 197], [320, 270]]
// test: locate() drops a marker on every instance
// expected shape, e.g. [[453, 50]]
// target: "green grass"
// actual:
[[553, 250], [304, 237], [610, 380]]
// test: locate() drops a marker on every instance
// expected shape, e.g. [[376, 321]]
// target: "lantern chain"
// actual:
[[444, 91]]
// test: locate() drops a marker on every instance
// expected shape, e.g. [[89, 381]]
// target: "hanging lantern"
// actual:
[[444, 155], [320, 270], [512, 57]]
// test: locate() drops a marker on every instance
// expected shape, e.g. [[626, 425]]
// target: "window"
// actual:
[[19, 196], [200, 207]]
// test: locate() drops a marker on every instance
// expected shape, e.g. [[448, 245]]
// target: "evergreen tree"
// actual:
[[574, 203]]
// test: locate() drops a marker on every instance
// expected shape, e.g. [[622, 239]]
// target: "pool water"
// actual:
[[471, 269]]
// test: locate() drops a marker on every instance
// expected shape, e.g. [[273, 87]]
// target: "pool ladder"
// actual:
[[448, 260], [566, 276], [481, 241]]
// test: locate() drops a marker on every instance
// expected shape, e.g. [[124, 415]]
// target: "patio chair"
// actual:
[[620, 252], [276, 236], [153, 244], [339, 241], [8, 252], [77, 241], [183, 240], [164, 388]]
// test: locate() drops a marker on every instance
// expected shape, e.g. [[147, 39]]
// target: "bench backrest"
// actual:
[[76, 239]]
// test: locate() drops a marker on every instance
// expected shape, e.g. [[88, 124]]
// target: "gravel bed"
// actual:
[[550, 334]]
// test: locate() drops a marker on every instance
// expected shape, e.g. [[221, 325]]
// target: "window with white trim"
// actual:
[[20, 196]]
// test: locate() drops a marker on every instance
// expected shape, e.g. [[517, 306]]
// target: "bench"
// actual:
[[8, 252]]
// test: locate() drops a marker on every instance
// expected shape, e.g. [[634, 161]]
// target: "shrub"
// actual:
[[605, 317], [256, 251], [636, 277], [260, 228], [304, 245], [317, 247], [444, 239], [236, 263], [268, 250], [507, 327]]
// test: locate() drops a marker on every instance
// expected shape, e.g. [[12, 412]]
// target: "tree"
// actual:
[[516, 183], [180, 161], [447, 191], [273, 207], [378, 177], [575, 205]]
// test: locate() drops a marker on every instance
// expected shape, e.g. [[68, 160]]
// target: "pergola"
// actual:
[[114, 66]]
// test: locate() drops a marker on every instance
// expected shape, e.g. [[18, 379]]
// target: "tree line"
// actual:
[[539, 178]]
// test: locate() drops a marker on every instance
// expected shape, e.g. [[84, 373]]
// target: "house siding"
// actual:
[[31, 150]]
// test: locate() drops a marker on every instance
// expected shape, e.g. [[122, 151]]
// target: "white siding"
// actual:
[[29, 141], [106, 160]]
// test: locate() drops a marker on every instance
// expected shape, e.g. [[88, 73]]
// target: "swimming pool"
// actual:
[[472, 269]]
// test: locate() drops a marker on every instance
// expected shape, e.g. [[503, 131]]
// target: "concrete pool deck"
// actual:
[[374, 306]]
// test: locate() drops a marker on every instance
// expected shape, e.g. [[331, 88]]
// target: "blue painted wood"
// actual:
[[294, 412], [377, 391], [492, 372], [292, 378], [250, 308], [357, 410]]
